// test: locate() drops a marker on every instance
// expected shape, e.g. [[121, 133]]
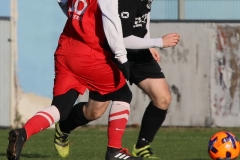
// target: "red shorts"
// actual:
[[81, 73]]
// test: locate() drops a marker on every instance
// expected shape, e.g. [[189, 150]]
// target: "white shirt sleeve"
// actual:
[[133, 42], [113, 28]]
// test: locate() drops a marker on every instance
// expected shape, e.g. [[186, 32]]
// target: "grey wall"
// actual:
[[5, 72]]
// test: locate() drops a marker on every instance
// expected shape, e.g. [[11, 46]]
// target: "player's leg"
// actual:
[[154, 115], [84, 112], [81, 114], [60, 108], [118, 118], [147, 75], [66, 90]]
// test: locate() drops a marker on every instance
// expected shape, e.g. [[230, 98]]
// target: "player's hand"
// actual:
[[155, 54], [170, 40], [125, 70]]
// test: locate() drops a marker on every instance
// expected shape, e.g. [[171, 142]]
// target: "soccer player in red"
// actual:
[[82, 62], [145, 72]]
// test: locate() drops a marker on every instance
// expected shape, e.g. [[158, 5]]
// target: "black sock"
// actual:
[[152, 120], [75, 119], [141, 142]]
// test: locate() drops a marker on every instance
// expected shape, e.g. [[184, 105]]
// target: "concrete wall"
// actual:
[[203, 73], [187, 71], [225, 76], [5, 71], [204, 70]]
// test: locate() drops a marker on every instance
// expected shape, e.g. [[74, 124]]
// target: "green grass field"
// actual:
[[89, 143]]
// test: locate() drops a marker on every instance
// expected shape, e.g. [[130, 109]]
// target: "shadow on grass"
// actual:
[[34, 156], [27, 155], [2, 155]]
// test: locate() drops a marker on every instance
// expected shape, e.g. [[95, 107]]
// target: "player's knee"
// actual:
[[162, 102], [93, 114], [95, 110]]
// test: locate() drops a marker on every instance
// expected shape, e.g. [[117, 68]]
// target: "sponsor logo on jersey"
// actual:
[[139, 21]]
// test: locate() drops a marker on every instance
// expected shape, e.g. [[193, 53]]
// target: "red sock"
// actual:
[[41, 120], [117, 122]]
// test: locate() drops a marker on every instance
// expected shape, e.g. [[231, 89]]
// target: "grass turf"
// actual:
[[89, 143]]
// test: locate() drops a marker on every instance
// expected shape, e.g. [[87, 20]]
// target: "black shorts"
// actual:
[[143, 66]]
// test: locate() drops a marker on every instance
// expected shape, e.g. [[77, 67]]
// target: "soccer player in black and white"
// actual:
[[145, 72]]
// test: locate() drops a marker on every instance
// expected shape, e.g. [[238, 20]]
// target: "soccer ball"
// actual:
[[223, 146]]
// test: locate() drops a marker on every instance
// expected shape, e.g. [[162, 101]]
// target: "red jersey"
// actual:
[[83, 32]]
